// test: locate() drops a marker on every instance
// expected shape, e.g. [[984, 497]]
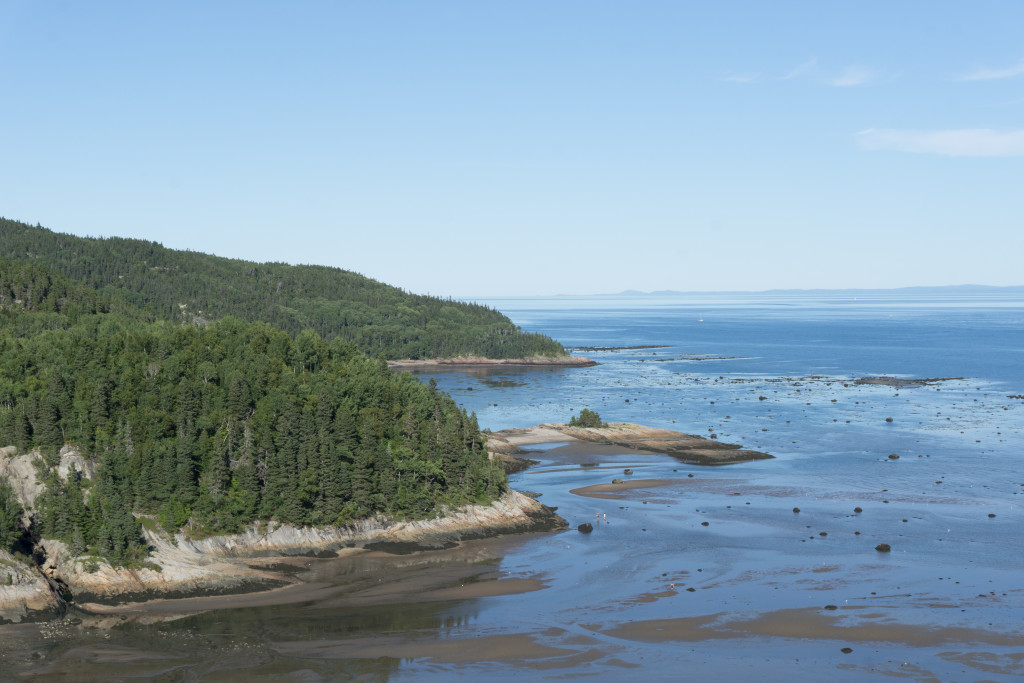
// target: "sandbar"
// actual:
[[609, 490]]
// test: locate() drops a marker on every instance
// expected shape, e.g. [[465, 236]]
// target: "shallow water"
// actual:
[[713, 574]]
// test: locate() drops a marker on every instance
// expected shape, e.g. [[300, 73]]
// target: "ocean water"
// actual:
[[758, 570], [777, 374]]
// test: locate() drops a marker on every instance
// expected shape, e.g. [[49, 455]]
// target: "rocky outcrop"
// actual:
[[22, 469], [904, 382], [182, 566], [686, 447], [24, 594]]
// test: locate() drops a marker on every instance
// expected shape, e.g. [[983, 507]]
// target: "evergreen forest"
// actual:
[[209, 427], [188, 286]]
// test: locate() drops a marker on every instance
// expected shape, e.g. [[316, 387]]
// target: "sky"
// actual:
[[482, 149]]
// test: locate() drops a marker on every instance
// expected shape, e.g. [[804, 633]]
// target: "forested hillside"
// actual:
[[214, 426], [183, 285]]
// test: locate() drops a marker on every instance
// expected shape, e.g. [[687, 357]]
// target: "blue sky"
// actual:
[[519, 148]]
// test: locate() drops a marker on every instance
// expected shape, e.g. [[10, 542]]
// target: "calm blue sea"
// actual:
[[778, 373]]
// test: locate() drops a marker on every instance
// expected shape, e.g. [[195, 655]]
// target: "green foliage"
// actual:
[[587, 418], [213, 427], [10, 517], [188, 286]]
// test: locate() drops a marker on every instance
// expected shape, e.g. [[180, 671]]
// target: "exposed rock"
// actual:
[[181, 566], [512, 463], [883, 547], [22, 472], [585, 528], [685, 447], [893, 456], [24, 594], [902, 382]]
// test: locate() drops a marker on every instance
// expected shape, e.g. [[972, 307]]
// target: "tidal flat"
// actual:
[[765, 569], [716, 570]]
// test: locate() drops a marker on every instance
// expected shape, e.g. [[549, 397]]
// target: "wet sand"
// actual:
[[608, 491], [362, 577], [846, 624]]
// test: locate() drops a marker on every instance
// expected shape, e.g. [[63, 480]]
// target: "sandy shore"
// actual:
[[352, 579], [612, 491]]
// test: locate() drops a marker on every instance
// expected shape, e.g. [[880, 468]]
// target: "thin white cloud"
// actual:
[[969, 142], [741, 78], [853, 75], [985, 74], [801, 70]]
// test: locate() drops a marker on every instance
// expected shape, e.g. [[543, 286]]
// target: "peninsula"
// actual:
[[264, 555]]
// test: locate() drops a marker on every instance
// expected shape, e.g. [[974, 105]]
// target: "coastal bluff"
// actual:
[[257, 559], [180, 566], [688, 448]]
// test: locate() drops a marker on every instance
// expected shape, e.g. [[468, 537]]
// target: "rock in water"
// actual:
[[585, 528], [883, 547]]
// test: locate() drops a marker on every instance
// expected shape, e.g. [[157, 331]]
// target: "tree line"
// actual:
[[188, 286]]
